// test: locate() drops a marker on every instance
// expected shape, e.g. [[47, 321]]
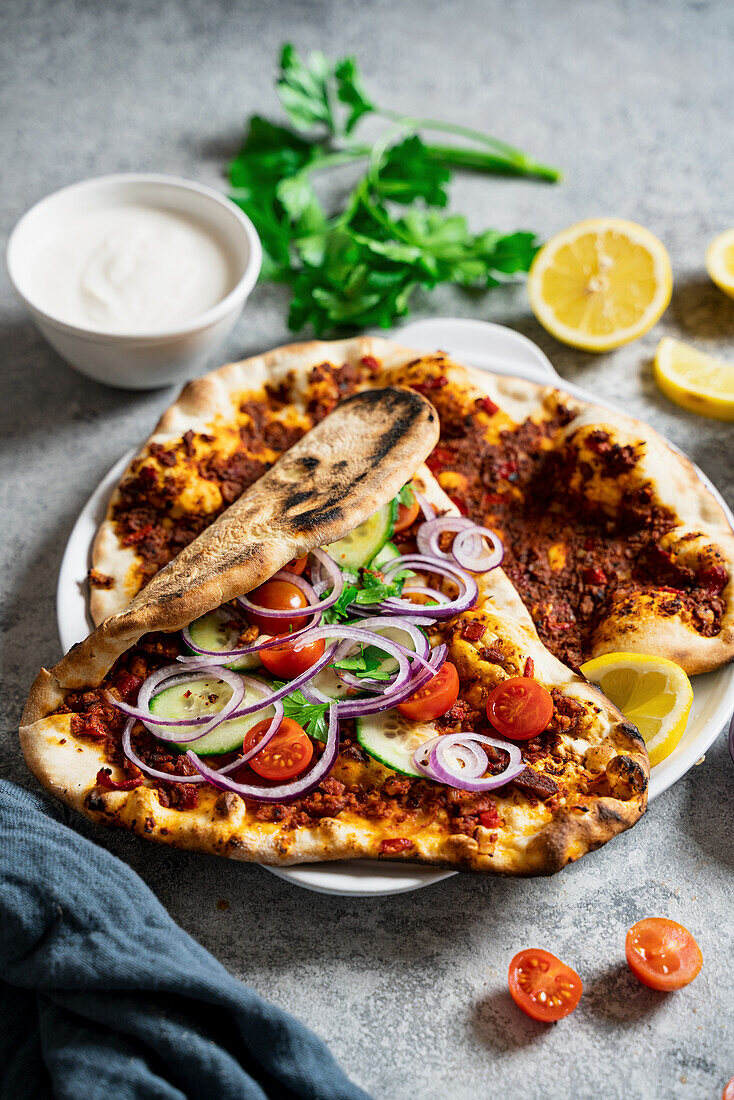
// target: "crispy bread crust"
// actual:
[[67, 767]]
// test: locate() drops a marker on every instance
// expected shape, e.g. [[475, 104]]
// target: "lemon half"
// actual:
[[652, 692], [694, 380], [720, 261], [600, 283]]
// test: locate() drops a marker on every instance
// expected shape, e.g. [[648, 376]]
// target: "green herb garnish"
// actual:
[[339, 611], [359, 267], [310, 716], [366, 664]]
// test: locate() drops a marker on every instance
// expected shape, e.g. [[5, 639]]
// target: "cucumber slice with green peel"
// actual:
[[206, 697], [359, 547], [213, 632], [391, 739], [385, 555]]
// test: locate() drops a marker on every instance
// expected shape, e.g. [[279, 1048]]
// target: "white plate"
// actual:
[[490, 347]]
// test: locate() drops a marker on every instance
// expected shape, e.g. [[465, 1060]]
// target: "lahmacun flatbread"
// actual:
[[612, 540], [572, 775]]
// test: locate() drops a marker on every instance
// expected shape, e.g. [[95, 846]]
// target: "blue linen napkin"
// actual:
[[103, 995]]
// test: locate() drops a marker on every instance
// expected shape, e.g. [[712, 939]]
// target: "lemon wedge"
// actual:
[[600, 283], [694, 380], [652, 692], [720, 261]]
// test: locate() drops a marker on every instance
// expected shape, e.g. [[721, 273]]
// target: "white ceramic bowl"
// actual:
[[140, 361]]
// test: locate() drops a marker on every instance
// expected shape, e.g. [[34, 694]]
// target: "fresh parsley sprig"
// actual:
[[360, 266], [366, 664], [372, 588], [310, 716]]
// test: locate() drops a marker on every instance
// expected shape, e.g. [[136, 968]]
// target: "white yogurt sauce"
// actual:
[[131, 269]]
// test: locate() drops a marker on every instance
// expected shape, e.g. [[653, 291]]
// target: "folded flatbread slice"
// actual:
[[613, 541], [582, 779]]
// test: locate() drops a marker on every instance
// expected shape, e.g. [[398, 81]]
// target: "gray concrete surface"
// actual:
[[633, 100]]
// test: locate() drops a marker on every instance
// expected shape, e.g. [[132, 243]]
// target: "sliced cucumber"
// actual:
[[392, 739], [359, 547], [329, 684], [213, 632], [386, 554], [206, 697]]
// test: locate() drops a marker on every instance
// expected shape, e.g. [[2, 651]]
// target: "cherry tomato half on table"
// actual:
[[543, 986], [286, 755], [728, 1093], [662, 953], [277, 595], [519, 708], [287, 662], [407, 515], [434, 698]]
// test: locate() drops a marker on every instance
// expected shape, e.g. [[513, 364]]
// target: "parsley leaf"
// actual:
[[352, 91], [366, 664], [310, 716], [375, 588], [303, 87], [408, 173], [360, 265], [339, 611]]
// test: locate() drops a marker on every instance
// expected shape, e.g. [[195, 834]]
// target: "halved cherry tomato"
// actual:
[[286, 661], [296, 565], [434, 698], [662, 953], [543, 986], [407, 515], [728, 1093], [285, 756], [519, 708], [277, 595]]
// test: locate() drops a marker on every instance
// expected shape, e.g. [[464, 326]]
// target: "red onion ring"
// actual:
[[421, 658], [224, 656], [427, 509], [173, 673], [473, 557], [439, 768], [467, 547], [292, 685], [154, 773], [286, 792], [428, 534], [356, 708], [314, 603], [467, 585]]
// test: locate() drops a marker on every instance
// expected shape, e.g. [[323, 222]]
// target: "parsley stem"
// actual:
[[340, 156], [508, 159], [452, 156]]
